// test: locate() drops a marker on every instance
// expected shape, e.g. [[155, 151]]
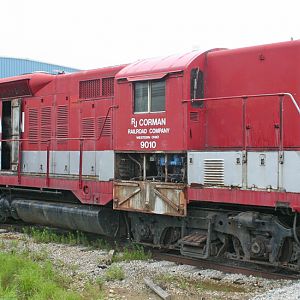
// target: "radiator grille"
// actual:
[[107, 129], [90, 89], [62, 123], [214, 171], [88, 127], [107, 86], [33, 125], [45, 124]]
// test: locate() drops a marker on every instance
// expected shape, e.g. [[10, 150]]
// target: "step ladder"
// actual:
[[197, 244]]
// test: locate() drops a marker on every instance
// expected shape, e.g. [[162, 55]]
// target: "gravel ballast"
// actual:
[[84, 265]]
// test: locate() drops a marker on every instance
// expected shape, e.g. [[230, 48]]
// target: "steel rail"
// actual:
[[226, 268]]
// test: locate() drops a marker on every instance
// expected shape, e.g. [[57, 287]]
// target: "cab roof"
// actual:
[[157, 68]]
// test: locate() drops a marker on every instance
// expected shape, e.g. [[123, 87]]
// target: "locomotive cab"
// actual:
[[150, 137]]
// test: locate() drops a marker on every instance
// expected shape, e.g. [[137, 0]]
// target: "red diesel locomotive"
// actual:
[[198, 152]]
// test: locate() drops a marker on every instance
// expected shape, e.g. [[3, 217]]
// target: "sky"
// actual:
[[89, 34]]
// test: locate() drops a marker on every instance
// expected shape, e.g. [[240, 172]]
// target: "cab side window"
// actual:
[[150, 96], [141, 97], [197, 87]]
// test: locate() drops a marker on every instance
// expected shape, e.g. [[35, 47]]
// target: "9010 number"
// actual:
[[148, 145]]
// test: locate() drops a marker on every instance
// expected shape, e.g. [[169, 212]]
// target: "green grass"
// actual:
[[48, 235], [21, 278], [135, 252], [2, 245], [114, 273]]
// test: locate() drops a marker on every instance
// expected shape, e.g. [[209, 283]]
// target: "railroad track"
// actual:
[[228, 266], [231, 267]]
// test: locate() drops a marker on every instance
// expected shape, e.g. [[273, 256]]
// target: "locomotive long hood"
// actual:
[[22, 86]]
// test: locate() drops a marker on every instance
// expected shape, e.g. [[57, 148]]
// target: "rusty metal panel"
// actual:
[[150, 197]]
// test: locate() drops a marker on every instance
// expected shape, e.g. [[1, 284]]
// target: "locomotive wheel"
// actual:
[[170, 235]]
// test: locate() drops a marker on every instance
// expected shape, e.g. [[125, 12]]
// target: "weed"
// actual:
[[41, 255], [23, 278], [219, 287], [100, 282], [2, 245], [181, 282], [73, 267], [93, 292], [198, 285], [48, 235], [135, 252], [14, 243], [114, 272], [100, 244], [42, 235], [26, 251]]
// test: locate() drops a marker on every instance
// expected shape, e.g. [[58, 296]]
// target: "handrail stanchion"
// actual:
[[80, 164], [20, 161], [281, 122], [48, 165], [245, 140]]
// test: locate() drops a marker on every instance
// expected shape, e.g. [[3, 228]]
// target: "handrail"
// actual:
[[244, 98], [247, 96], [64, 139], [80, 163], [19, 162], [111, 107], [48, 149]]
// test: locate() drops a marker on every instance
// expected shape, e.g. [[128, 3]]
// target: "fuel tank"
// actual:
[[99, 220]]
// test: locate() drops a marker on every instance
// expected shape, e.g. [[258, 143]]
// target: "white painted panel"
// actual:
[[232, 169], [99, 163], [291, 171], [74, 162], [89, 163], [52, 157], [61, 162], [262, 170], [34, 161], [195, 166], [105, 165]]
